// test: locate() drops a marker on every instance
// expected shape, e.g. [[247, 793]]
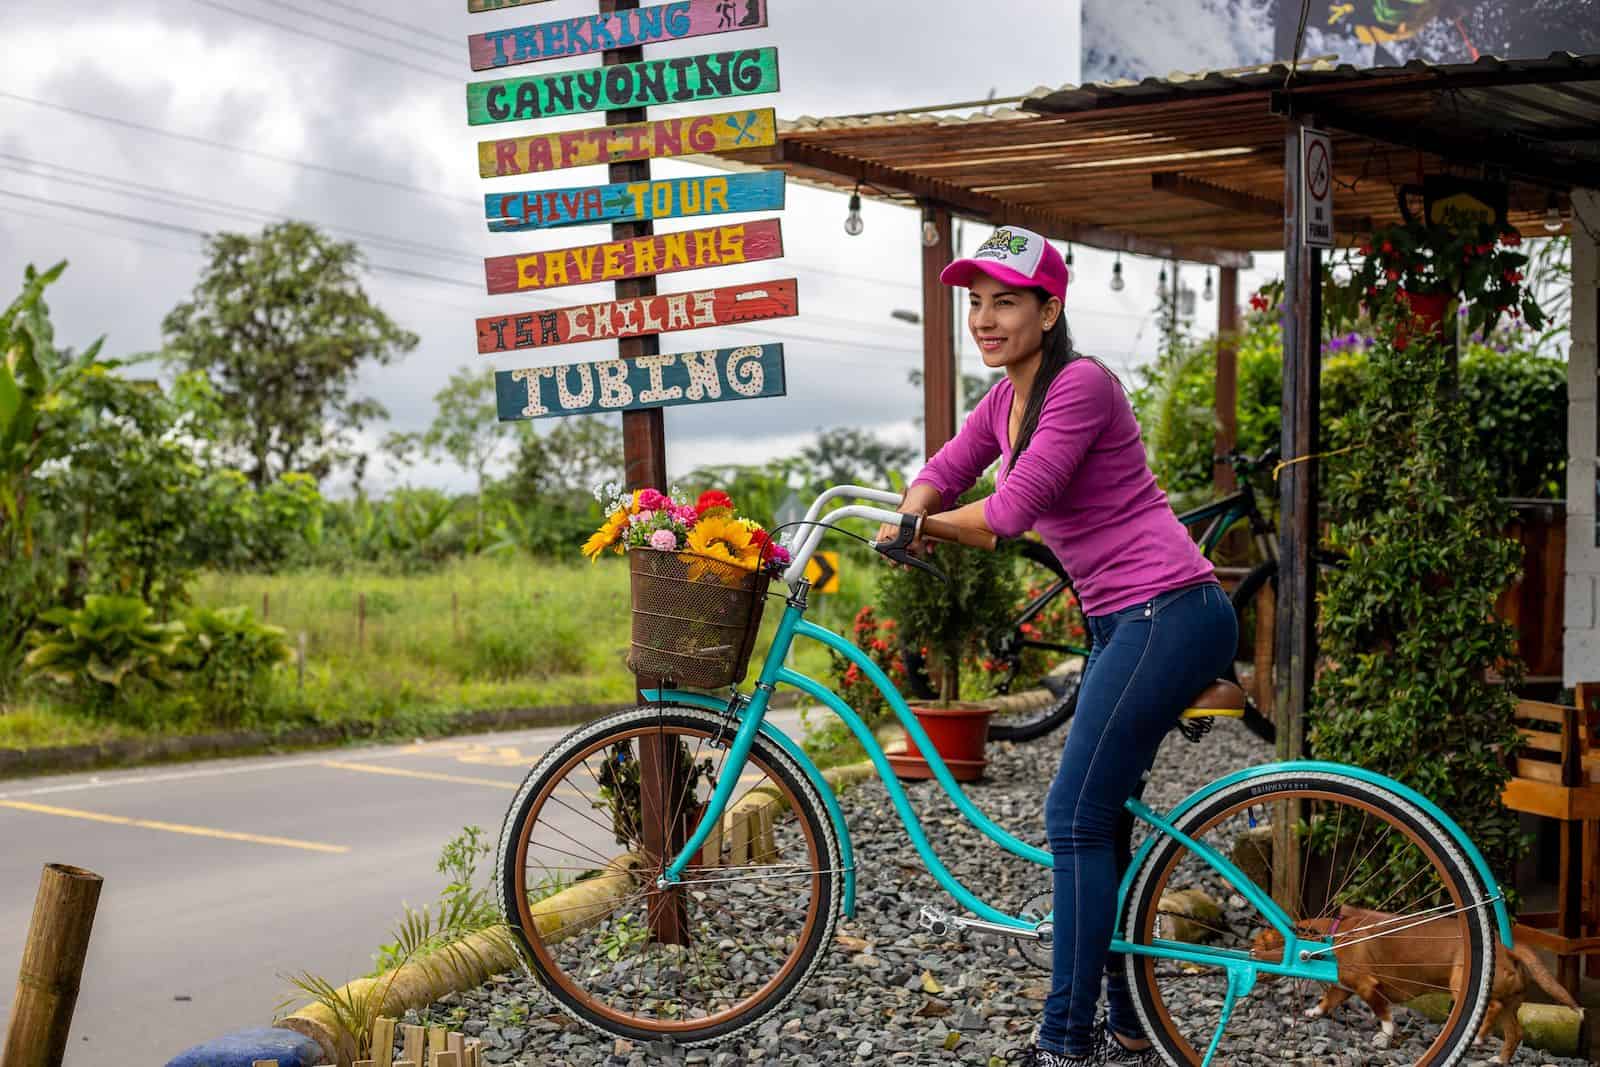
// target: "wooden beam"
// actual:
[[940, 374], [1516, 155], [1227, 391], [1221, 196], [998, 212]]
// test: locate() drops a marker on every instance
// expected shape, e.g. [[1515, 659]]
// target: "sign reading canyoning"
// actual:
[[546, 209], [651, 82], [628, 143], [715, 246], [587, 34], [642, 382], [640, 316]]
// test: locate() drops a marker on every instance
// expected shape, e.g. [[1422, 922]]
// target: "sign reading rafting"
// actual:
[[628, 80]]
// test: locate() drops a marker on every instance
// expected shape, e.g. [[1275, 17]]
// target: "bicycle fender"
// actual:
[[794, 751], [1490, 884]]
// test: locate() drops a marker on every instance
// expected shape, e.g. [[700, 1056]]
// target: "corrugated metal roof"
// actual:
[[1192, 164]]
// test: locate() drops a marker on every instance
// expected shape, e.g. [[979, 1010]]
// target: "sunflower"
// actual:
[[727, 540], [606, 536]]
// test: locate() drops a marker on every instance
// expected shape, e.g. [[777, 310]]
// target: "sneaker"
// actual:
[[1043, 1057], [1110, 1050]]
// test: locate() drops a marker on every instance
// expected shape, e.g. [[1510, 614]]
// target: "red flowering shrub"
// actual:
[[877, 638], [1061, 622]]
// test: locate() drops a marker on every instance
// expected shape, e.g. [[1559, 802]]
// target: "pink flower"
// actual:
[[654, 500], [664, 541], [686, 514], [640, 518]]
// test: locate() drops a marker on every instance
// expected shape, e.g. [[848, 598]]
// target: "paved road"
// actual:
[[221, 876]]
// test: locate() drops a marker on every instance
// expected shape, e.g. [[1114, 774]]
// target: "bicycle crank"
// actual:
[[944, 924]]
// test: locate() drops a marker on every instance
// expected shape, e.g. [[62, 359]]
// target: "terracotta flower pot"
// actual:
[[1428, 312], [958, 732]]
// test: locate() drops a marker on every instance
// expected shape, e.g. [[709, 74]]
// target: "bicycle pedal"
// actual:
[[938, 923]]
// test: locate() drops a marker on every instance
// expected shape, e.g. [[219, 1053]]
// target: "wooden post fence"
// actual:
[[52, 964]]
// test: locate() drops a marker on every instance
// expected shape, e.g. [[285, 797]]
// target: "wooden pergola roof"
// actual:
[[1191, 166]]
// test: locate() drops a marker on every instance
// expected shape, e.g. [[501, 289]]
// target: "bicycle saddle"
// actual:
[[1221, 698]]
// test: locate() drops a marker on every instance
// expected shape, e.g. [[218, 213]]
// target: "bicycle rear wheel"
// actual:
[[1031, 723], [1406, 911], [584, 843]]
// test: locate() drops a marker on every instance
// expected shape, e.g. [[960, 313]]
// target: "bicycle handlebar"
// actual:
[[921, 526], [1245, 466]]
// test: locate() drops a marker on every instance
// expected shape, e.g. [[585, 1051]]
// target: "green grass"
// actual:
[[478, 633]]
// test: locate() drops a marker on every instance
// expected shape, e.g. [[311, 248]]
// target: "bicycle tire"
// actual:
[[1051, 717], [584, 1006], [1143, 908]]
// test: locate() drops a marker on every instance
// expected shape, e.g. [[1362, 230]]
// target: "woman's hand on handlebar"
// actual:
[[889, 532]]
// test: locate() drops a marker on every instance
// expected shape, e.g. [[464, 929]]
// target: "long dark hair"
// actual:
[[1057, 351]]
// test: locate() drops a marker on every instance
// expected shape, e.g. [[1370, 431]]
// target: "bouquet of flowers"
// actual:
[[648, 519]]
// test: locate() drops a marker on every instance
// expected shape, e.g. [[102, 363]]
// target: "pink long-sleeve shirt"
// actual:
[[1083, 484]]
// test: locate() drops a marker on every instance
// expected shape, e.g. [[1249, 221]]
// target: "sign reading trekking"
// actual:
[[644, 382], [619, 29], [1316, 188], [628, 143], [716, 76], [547, 209]]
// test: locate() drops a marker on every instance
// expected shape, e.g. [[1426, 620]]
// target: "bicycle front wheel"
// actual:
[[592, 829], [1412, 929]]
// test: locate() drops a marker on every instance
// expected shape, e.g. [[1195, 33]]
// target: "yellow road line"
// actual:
[[432, 776], [172, 827]]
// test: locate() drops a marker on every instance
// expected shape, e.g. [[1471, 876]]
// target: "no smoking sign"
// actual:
[[1316, 188]]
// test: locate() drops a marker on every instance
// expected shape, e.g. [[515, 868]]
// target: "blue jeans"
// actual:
[[1146, 664]]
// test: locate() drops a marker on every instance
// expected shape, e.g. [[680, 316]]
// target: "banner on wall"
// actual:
[[1154, 38]]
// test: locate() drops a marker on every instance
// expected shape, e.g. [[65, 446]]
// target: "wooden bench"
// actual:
[[1557, 776]]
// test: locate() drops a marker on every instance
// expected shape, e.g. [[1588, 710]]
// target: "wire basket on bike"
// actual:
[[695, 617]]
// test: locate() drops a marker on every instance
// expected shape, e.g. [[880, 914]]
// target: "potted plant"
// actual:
[[1426, 266], [949, 619]]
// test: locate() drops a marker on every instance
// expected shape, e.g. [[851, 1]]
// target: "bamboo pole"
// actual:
[[361, 622], [52, 964]]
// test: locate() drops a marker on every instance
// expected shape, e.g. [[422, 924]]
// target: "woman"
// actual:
[[1072, 468]]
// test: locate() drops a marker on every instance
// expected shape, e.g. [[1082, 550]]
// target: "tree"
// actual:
[[281, 326], [848, 456], [466, 428]]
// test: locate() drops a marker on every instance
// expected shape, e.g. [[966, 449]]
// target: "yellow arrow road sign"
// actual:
[[822, 571]]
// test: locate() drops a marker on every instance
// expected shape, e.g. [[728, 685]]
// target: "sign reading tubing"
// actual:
[[722, 132], [548, 209], [639, 317], [714, 246], [620, 29], [716, 76], [642, 382]]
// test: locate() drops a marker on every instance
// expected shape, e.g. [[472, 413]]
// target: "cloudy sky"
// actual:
[[154, 121]]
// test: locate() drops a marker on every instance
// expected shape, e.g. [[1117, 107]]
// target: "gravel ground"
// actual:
[[890, 993]]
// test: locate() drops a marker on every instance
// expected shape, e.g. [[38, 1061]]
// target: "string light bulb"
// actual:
[[1116, 275], [1552, 215], [930, 229], [1206, 294], [852, 222]]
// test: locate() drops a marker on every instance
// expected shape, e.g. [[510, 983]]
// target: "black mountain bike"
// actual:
[[1008, 648]]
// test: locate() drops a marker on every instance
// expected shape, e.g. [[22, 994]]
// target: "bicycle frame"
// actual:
[[1307, 959]]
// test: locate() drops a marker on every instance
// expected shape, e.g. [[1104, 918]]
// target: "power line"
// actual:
[[366, 31], [399, 24], [288, 28], [189, 201], [240, 149]]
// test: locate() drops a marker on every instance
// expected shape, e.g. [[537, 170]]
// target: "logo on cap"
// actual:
[[1003, 244]]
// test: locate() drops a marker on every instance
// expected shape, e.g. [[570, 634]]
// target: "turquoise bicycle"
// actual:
[[676, 871]]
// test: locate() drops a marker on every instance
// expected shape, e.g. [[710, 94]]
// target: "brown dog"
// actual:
[[1421, 958]]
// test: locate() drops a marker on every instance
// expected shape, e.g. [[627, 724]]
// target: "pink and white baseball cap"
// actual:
[[1015, 256]]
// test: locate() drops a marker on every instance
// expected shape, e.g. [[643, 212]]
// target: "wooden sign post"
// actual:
[[641, 382]]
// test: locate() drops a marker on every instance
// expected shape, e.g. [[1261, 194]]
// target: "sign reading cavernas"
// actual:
[[642, 382], [587, 34], [639, 317], [714, 246], [547, 209], [722, 132], [648, 83]]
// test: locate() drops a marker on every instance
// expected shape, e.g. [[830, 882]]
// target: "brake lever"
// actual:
[[899, 550]]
